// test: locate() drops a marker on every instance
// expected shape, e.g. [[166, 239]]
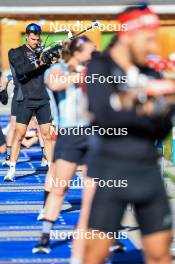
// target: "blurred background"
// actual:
[[56, 14]]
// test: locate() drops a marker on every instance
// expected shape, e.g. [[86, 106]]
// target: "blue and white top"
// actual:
[[72, 102]]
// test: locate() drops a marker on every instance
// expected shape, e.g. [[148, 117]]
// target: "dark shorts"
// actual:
[[2, 138], [14, 106], [72, 148], [138, 184], [39, 108]]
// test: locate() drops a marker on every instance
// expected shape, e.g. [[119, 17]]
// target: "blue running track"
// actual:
[[19, 205]]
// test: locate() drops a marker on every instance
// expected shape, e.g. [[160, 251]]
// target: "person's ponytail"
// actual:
[[66, 54]]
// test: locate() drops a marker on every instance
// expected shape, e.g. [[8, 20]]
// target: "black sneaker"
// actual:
[[43, 245], [6, 162]]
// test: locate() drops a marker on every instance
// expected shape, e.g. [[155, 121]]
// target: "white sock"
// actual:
[[13, 165], [75, 261], [47, 226]]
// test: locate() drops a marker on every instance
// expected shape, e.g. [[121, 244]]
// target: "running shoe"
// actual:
[[10, 176], [6, 162], [43, 245]]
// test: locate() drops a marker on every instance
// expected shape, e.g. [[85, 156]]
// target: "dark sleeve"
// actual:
[[17, 61], [99, 100]]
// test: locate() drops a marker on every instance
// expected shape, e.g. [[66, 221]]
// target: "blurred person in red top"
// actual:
[[132, 157]]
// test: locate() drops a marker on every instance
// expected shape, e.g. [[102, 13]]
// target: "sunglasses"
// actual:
[[82, 40], [34, 28]]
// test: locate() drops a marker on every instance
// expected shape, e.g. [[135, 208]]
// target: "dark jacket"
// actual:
[[27, 78], [142, 130]]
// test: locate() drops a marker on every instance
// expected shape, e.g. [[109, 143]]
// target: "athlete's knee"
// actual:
[[158, 256], [60, 191], [89, 253], [46, 134]]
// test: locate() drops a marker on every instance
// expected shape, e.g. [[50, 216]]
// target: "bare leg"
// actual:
[[64, 173], [41, 142], [18, 137], [79, 244], [96, 249], [157, 247], [11, 131], [48, 185], [45, 132]]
